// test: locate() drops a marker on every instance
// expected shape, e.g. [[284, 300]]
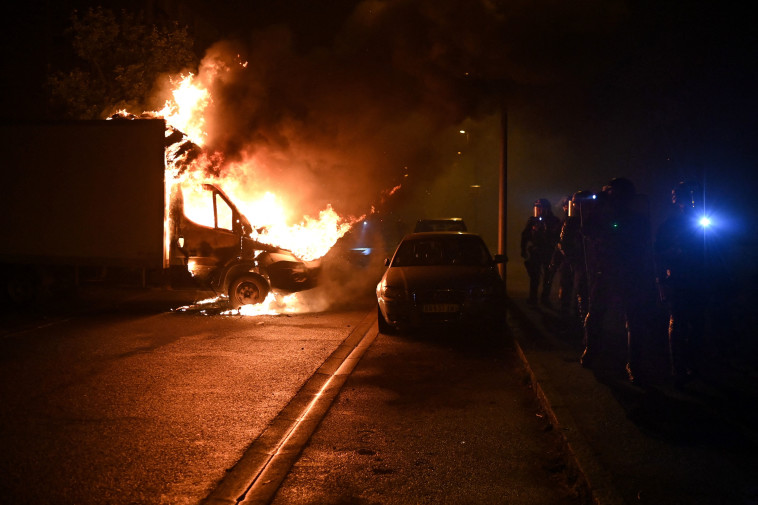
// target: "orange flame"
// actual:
[[309, 239], [185, 111], [273, 305]]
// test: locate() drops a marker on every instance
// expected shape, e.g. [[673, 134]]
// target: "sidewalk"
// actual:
[[653, 445]]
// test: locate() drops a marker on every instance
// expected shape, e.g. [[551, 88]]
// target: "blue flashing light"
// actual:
[[705, 221]]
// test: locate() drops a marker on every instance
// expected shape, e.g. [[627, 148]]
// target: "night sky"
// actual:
[[348, 99]]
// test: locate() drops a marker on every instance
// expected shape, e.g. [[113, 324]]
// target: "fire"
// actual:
[[308, 238], [274, 305], [185, 111]]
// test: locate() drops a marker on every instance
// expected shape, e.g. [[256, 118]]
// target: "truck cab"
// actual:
[[211, 238]]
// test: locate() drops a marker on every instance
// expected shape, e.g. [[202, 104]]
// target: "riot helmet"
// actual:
[[577, 200], [542, 208], [620, 189]]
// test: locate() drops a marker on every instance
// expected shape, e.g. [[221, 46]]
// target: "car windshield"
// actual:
[[432, 251], [440, 225]]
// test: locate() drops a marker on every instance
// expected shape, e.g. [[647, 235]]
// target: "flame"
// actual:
[[186, 111], [310, 239], [273, 305], [186, 162], [267, 308], [307, 237]]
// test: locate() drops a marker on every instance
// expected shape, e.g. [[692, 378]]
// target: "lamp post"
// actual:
[[503, 198]]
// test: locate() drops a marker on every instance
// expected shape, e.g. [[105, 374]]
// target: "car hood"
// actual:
[[441, 277]]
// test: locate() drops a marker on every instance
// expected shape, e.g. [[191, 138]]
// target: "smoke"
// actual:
[[377, 102], [339, 103], [378, 96], [340, 124]]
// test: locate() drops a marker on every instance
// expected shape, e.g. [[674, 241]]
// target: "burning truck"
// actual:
[[86, 196]]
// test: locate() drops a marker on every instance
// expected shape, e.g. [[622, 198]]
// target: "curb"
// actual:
[[256, 477], [596, 483]]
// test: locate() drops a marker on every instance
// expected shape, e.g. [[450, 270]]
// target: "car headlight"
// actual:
[[393, 292]]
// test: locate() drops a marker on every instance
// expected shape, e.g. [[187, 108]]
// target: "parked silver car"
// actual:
[[440, 278]]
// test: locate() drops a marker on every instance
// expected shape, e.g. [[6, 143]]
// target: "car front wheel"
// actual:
[[384, 326]]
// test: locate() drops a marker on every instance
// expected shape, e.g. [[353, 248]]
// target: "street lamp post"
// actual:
[[503, 197]]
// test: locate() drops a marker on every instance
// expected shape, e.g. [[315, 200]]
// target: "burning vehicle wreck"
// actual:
[[223, 255], [98, 196]]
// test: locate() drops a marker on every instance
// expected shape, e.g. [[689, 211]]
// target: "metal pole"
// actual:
[[503, 199]]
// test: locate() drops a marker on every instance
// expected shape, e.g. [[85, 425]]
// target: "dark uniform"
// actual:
[[538, 240], [683, 278], [571, 248], [561, 266], [619, 263]]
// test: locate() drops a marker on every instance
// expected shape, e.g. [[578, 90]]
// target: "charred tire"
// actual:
[[247, 289], [384, 326]]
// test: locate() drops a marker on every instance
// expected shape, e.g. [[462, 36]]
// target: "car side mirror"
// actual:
[[500, 258], [386, 262]]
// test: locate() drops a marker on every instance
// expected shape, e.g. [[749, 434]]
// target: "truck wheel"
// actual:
[[247, 289]]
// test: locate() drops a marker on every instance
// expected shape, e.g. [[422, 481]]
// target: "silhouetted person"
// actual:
[[683, 277], [573, 263], [559, 264], [538, 240], [619, 263]]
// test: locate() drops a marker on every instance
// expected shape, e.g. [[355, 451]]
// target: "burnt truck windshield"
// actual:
[[455, 250], [224, 214], [208, 206]]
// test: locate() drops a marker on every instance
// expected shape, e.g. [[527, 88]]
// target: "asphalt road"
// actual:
[[129, 403], [139, 405], [434, 419]]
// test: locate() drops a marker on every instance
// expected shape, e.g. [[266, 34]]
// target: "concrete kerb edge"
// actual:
[[593, 478], [237, 486]]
